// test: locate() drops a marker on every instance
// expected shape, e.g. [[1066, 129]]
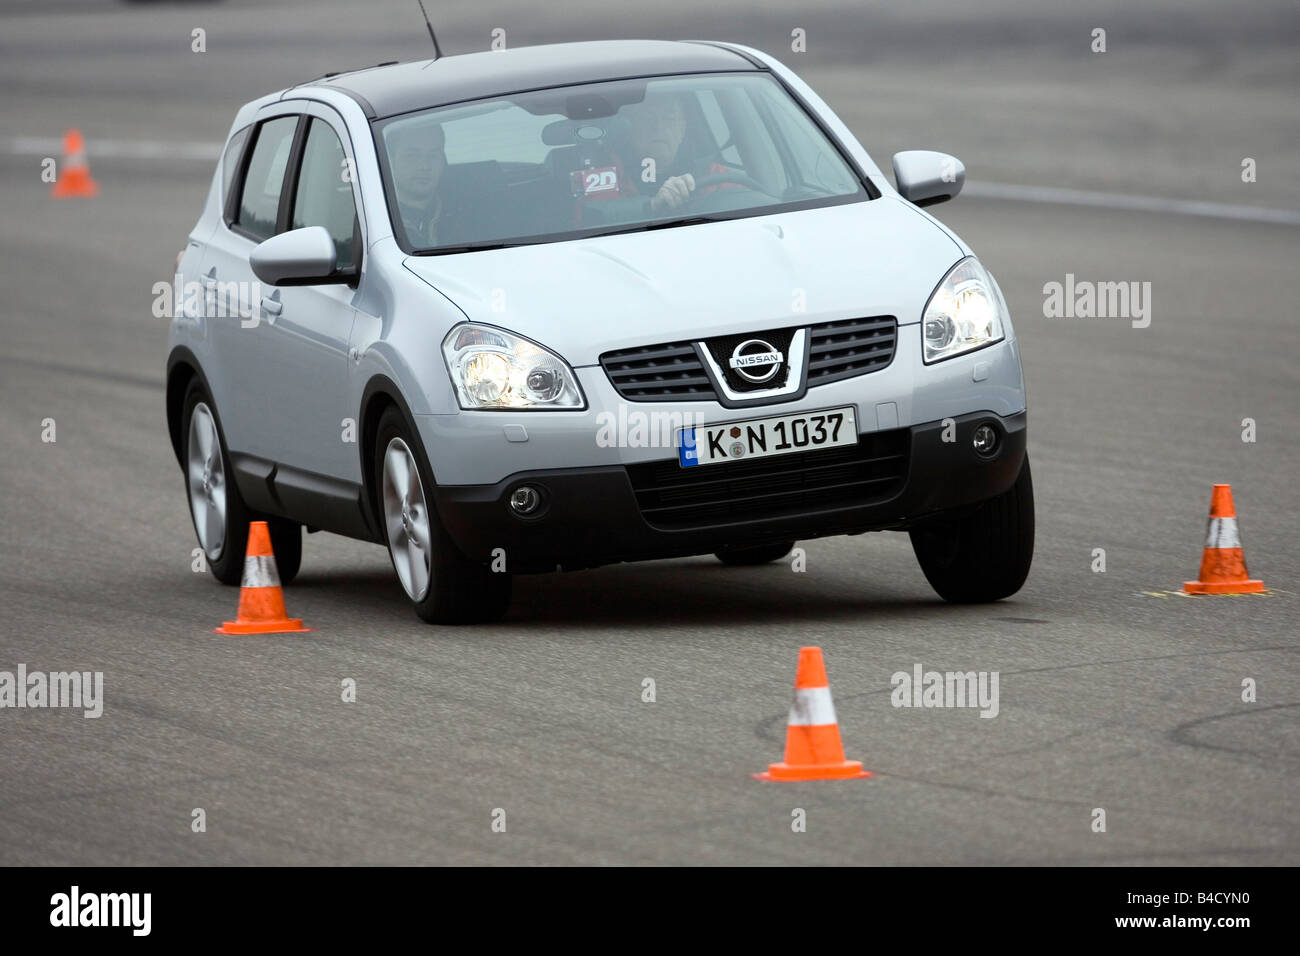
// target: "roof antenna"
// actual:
[[437, 51]]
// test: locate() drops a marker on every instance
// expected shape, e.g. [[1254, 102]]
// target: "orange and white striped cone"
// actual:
[[1223, 563], [813, 750], [261, 602], [74, 181]]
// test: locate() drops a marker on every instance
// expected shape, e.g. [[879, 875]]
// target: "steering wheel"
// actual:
[[739, 179]]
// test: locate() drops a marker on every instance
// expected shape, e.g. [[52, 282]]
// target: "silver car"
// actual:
[[556, 307]]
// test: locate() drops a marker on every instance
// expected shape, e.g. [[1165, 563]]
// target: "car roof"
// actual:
[[391, 89]]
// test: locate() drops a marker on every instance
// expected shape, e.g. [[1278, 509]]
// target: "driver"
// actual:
[[658, 132], [651, 172]]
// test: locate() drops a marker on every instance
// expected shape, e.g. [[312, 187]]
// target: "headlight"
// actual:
[[965, 312], [492, 368]]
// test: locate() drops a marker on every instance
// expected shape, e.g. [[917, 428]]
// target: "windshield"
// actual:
[[603, 158]]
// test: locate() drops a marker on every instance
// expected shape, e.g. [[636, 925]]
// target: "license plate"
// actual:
[[764, 437]]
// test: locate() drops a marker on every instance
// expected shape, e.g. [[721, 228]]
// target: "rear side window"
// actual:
[[260, 202], [324, 195], [230, 160]]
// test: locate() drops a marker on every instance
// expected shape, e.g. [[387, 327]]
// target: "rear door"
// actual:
[[233, 295]]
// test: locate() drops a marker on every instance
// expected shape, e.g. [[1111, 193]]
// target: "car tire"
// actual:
[[983, 555], [758, 554], [217, 511], [444, 586], [286, 542]]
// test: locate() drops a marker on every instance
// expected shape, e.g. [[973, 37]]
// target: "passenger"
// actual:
[[418, 154]]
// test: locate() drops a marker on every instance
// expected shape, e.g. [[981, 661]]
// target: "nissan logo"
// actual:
[[756, 361]]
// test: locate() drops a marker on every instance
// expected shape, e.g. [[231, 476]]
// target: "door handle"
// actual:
[[271, 307]]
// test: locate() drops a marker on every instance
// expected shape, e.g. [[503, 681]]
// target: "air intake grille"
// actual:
[[658, 373], [850, 347], [673, 497]]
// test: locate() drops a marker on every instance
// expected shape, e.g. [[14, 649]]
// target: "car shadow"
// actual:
[[669, 594], [665, 594]]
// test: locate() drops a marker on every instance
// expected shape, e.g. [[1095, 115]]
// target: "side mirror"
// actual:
[[298, 257], [926, 177]]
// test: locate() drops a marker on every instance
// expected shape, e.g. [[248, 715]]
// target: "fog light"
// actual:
[[524, 500], [985, 440]]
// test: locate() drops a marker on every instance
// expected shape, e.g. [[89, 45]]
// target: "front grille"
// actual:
[[673, 372], [850, 347], [658, 373], [721, 348], [673, 497]]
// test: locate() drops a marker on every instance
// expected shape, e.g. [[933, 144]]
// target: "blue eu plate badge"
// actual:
[[687, 453]]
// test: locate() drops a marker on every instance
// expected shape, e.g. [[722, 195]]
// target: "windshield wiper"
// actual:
[[641, 227], [469, 247], [669, 224]]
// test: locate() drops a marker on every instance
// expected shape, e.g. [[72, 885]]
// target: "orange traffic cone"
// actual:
[[261, 602], [1223, 565], [812, 738], [74, 181]]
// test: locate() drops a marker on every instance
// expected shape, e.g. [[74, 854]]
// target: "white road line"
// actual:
[[1081, 197], [1051, 195], [114, 148]]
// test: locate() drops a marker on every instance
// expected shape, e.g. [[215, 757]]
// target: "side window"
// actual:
[[324, 194], [260, 202], [230, 161]]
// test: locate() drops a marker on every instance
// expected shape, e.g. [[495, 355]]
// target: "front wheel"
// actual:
[[444, 586], [983, 555]]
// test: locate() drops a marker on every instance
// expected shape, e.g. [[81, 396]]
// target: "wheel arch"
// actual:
[[182, 368], [380, 393]]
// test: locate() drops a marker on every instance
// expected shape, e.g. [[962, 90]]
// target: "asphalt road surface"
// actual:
[[1115, 693]]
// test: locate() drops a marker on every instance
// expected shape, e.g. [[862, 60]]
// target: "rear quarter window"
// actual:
[[230, 159]]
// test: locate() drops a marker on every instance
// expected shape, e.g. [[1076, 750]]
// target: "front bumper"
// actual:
[[609, 513]]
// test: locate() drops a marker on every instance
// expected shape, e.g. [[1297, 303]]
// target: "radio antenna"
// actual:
[[437, 51]]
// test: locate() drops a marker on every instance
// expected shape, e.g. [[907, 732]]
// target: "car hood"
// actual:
[[584, 297]]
